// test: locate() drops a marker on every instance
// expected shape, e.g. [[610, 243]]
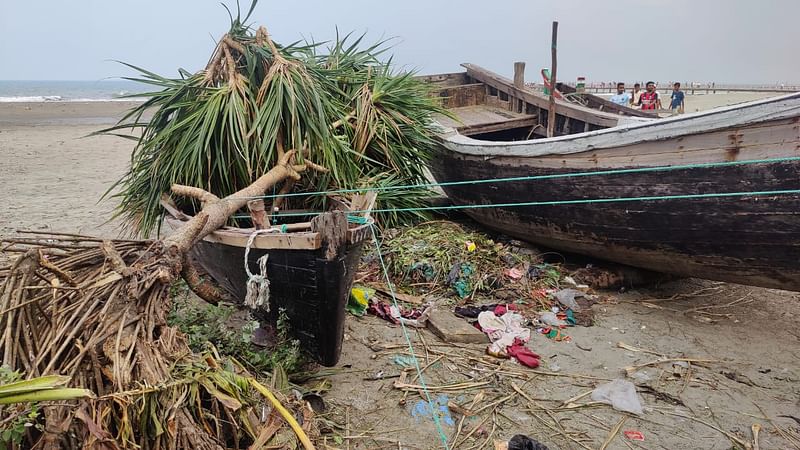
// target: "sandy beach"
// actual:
[[52, 177]]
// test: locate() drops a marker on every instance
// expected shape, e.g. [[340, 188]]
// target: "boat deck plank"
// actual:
[[483, 119]]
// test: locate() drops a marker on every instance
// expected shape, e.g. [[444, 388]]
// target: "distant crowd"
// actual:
[[649, 99]]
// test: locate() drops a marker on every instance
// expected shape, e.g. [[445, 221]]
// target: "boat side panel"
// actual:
[[731, 239], [312, 290]]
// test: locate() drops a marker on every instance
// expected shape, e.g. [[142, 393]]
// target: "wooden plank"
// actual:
[[564, 108], [462, 95], [237, 237], [497, 126], [445, 79], [451, 328], [283, 241]]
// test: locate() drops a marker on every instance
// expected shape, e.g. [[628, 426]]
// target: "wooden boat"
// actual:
[[310, 268], [754, 147]]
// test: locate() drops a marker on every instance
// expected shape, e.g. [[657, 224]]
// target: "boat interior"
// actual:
[[488, 106]]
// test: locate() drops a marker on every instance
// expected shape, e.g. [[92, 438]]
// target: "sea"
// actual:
[[70, 91]]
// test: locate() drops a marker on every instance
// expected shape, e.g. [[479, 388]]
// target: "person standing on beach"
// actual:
[[650, 99], [636, 94], [677, 102], [621, 98]]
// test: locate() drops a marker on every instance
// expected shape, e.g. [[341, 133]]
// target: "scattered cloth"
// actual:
[[524, 355], [620, 394], [471, 311], [508, 334], [412, 317]]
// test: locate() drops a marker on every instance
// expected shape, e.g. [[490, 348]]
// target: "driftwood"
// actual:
[[96, 310]]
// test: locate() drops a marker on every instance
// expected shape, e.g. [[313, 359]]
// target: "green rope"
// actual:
[[431, 405], [560, 202], [537, 177]]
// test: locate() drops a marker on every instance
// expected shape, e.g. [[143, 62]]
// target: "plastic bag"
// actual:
[[549, 318], [620, 394], [567, 298]]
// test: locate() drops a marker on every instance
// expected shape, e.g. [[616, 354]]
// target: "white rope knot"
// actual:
[[257, 284]]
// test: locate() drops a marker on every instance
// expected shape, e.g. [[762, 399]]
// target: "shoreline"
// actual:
[[63, 113]]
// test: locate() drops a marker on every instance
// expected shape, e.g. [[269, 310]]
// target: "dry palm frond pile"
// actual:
[[95, 310], [220, 127]]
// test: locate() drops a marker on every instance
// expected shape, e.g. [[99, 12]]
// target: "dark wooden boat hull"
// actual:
[[746, 240], [310, 273], [312, 290]]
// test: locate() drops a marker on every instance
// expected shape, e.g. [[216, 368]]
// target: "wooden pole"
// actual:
[[551, 112], [519, 75]]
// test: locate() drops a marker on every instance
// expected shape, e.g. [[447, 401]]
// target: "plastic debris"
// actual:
[[522, 442], [403, 360], [550, 318], [620, 394], [634, 435], [567, 298], [470, 246], [359, 299], [422, 410]]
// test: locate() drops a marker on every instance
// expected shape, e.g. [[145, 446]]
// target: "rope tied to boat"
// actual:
[[257, 284]]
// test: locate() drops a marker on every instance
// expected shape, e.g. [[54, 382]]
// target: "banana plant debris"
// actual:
[[95, 310]]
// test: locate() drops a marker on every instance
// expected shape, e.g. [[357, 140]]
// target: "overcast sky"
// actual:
[[741, 41]]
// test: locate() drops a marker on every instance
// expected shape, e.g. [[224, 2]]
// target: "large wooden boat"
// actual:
[[666, 214], [310, 268]]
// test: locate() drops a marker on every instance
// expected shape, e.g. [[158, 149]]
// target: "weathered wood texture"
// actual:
[[749, 240], [310, 274], [519, 75], [535, 99], [772, 123], [463, 95], [311, 288], [551, 107], [450, 328]]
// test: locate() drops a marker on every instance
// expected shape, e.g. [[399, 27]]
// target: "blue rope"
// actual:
[[558, 202], [433, 408], [536, 177]]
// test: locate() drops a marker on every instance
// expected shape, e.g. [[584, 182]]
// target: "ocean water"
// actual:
[[69, 91]]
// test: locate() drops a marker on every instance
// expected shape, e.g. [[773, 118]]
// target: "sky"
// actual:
[[734, 41]]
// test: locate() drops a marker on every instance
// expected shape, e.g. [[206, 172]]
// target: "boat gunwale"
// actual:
[[238, 237], [783, 107]]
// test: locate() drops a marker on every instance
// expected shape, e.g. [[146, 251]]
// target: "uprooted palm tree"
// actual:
[[95, 311], [220, 127]]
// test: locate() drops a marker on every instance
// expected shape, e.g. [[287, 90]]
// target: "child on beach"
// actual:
[[677, 102]]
